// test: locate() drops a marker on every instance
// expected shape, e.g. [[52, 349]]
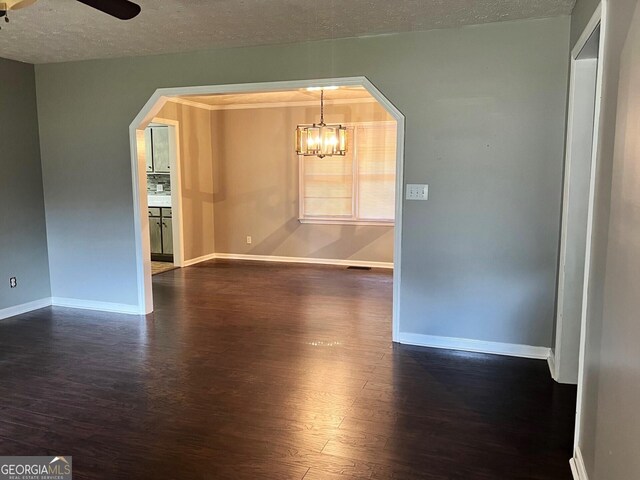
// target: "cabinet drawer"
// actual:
[[154, 212], [166, 212]]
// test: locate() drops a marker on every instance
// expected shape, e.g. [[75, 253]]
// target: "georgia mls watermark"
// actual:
[[35, 468]]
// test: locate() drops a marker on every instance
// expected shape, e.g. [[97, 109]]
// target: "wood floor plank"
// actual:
[[267, 371]]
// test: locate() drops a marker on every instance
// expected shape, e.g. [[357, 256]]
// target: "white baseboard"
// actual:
[[98, 306], [273, 258], [578, 468], [552, 364], [70, 303], [193, 261], [469, 345], [314, 261], [24, 308]]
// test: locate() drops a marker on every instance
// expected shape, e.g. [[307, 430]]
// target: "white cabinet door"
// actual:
[[167, 236], [155, 232], [160, 140]]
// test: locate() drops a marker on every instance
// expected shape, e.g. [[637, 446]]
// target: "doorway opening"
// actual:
[[164, 194], [575, 233], [585, 92], [352, 185]]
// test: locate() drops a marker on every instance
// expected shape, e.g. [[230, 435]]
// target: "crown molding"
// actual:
[[245, 106]]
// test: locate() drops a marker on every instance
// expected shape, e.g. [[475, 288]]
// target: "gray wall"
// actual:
[[610, 424], [582, 13], [23, 238], [485, 109]]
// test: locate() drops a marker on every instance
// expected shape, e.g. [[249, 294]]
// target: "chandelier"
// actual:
[[319, 139]]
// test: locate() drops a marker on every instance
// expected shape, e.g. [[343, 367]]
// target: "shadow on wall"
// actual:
[[349, 240], [218, 153], [196, 177], [355, 240]]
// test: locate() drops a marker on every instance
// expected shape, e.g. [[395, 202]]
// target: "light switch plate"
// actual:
[[417, 191]]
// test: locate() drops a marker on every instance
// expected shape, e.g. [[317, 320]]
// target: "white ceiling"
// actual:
[[66, 30]]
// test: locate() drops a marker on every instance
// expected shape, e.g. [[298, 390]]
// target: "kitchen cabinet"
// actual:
[[160, 143], [161, 233], [167, 236], [157, 142], [148, 150], [155, 231]]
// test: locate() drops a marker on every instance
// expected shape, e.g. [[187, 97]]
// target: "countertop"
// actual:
[[159, 200]]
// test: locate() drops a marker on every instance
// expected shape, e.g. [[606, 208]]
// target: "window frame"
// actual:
[[343, 220]]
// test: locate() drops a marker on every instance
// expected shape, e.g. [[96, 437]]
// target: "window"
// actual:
[[358, 188]]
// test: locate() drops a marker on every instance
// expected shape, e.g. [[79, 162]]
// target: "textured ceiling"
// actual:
[[66, 30], [303, 95]]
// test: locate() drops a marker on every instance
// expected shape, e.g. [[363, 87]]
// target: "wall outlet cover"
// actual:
[[417, 191]]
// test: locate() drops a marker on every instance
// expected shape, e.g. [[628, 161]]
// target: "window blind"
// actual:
[[376, 153], [357, 187], [328, 184]]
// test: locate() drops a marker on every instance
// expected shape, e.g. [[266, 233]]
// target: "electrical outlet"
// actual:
[[249, 240], [13, 282]]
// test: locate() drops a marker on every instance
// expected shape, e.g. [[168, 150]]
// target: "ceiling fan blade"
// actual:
[[122, 9]]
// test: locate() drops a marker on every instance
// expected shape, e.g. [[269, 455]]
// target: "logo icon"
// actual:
[[36, 468]]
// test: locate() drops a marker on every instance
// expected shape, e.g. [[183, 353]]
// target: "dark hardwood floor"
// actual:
[[266, 371]]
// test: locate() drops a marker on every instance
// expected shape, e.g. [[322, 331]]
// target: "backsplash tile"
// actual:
[[154, 180]]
